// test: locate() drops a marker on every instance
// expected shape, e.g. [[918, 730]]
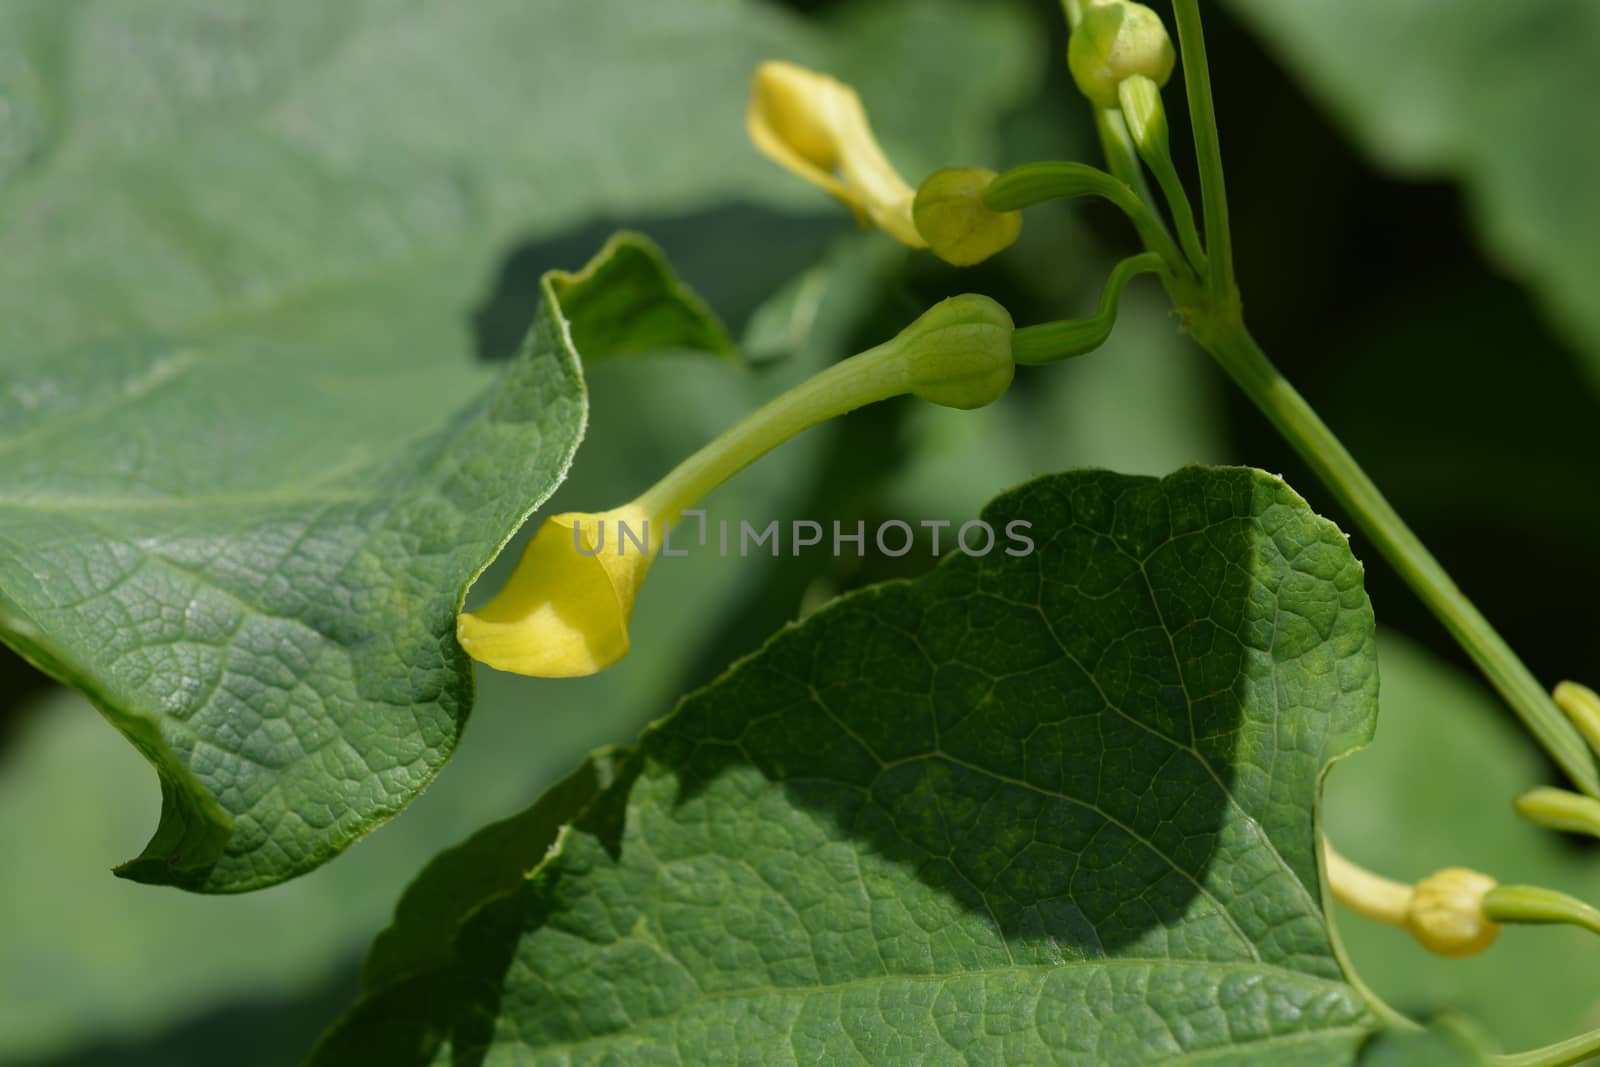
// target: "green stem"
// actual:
[[1535, 905], [1123, 159], [1146, 122], [1561, 1054], [1034, 183], [1233, 347], [1178, 201], [1208, 151], [1051, 342], [866, 378], [957, 353]]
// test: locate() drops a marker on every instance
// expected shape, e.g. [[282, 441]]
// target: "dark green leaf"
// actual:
[[1030, 809]]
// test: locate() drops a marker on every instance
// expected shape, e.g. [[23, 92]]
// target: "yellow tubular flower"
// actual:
[[1447, 916], [565, 612], [1444, 912], [815, 126], [566, 608]]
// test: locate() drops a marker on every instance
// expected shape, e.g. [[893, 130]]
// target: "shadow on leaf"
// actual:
[[1080, 779]]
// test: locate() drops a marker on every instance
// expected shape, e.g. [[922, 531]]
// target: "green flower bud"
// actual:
[[959, 227], [1116, 41], [958, 353], [1140, 100]]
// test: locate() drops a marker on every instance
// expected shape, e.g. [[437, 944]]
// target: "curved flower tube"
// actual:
[[1445, 911], [816, 127], [565, 611]]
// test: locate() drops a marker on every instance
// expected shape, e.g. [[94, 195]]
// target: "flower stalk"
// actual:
[[1051, 342], [1224, 291], [1146, 119]]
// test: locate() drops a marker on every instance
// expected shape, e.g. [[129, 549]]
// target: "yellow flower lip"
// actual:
[[816, 127], [564, 613]]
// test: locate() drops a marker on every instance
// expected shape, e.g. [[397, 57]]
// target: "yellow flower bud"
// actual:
[[959, 227], [566, 609], [1115, 41], [1446, 913], [815, 127]]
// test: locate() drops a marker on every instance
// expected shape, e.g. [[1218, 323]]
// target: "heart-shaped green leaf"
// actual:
[[1052, 807]]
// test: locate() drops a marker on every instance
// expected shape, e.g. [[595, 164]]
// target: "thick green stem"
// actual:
[[1208, 152], [1212, 307], [1233, 347]]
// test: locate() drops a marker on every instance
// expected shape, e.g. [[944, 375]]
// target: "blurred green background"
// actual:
[[1415, 206]]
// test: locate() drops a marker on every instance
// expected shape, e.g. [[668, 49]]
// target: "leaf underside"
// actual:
[[247, 460], [266, 606], [1055, 808]]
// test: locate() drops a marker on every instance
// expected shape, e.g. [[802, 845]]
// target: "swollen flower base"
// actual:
[[1445, 911], [566, 609]]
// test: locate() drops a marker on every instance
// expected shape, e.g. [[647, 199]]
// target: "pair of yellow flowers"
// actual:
[[565, 610]]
